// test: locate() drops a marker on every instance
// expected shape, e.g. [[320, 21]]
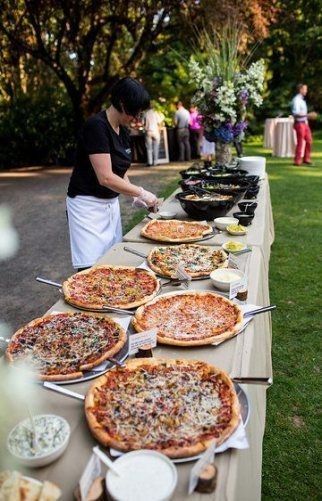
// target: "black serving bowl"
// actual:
[[185, 174], [218, 185], [243, 218], [253, 180], [247, 207], [238, 193], [190, 183], [204, 209], [252, 192]]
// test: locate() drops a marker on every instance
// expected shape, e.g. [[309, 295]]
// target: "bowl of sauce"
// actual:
[[44, 447], [223, 277], [144, 475]]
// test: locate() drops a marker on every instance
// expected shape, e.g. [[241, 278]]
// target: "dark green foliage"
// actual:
[[36, 130]]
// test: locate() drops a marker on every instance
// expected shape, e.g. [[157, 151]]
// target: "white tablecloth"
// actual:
[[279, 135]]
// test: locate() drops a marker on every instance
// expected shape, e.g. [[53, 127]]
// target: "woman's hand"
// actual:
[[146, 199]]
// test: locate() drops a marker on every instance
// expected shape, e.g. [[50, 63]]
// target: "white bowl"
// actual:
[[144, 476], [43, 458], [222, 222], [225, 247], [167, 214], [223, 277]]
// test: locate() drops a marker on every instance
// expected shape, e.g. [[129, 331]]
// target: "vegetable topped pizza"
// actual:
[[176, 407], [190, 318], [173, 230], [108, 285], [62, 346], [197, 260]]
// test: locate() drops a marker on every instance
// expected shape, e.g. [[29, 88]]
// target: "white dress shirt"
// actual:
[[299, 107]]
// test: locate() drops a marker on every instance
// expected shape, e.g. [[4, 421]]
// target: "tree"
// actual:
[[87, 44], [293, 52]]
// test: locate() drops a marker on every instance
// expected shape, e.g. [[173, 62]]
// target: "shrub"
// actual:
[[36, 130]]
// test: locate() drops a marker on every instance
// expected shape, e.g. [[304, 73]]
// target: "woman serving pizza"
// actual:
[[99, 175]]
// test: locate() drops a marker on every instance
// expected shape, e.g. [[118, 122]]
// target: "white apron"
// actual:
[[94, 226]]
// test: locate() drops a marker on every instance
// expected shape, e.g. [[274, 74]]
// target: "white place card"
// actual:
[[237, 286], [234, 262], [148, 338], [207, 457], [91, 472]]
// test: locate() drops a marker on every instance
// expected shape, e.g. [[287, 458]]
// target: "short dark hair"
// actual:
[[130, 96], [299, 86]]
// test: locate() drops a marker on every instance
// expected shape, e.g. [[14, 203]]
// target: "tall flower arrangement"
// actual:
[[226, 87]]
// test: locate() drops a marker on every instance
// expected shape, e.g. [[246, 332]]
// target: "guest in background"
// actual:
[[152, 123], [181, 121], [207, 150], [301, 126], [195, 131]]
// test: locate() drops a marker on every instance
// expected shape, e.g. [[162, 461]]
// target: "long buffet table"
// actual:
[[260, 233], [248, 354]]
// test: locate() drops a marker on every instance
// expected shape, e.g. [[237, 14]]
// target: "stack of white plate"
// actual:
[[256, 166]]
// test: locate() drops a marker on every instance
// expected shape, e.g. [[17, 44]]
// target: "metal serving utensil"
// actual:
[[134, 251], [48, 282], [106, 460], [267, 381], [260, 310], [64, 391], [244, 251], [175, 282]]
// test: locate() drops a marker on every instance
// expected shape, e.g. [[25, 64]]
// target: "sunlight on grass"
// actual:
[[290, 459]]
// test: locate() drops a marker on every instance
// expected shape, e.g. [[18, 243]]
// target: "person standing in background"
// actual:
[[195, 131], [152, 123], [181, 121], [301, 126]]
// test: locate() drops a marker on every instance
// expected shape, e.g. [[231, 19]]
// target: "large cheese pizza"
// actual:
[[107, 285], [197, 260], [190, 318], [176, 231], [176, 407], [62, 346]]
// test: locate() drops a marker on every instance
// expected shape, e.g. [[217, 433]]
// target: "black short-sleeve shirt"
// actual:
[[98, 136]]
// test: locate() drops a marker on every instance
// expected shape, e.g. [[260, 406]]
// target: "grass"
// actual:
[[291, 446]]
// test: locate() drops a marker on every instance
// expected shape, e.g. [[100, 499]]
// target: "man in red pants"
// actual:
[[301, 126]]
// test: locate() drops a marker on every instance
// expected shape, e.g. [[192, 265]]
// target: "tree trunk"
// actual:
[[223, 153]]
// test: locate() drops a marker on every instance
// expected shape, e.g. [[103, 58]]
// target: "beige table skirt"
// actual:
[[248, 354], [259, 233]]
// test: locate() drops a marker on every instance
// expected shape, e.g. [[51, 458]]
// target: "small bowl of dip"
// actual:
[[167, 214], [233, 246], [53, 433], [223, 277], [144, 475], [236, 229]]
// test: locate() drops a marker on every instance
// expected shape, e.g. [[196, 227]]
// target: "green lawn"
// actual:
[[291, 468]]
